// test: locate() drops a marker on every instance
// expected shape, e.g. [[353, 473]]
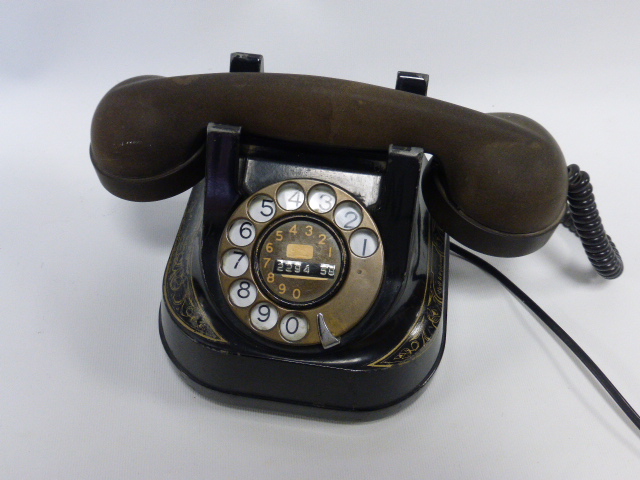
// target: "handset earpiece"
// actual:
[[498, 182], [501, 205]]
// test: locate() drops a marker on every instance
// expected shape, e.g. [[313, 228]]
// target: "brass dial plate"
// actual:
[[300, 261], [298, 258]]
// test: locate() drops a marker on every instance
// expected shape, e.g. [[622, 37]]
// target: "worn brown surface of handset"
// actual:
[[499, 184]]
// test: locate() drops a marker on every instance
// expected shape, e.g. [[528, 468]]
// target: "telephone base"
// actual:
[[367, 378], [278, 406]]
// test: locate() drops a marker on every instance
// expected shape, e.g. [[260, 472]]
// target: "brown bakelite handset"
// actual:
[[497, 182]]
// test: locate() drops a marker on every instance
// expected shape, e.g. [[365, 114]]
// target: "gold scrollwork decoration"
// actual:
[[181, 295], [418, 340]]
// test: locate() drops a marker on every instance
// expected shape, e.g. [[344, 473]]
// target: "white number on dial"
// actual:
[[348, 215], [290, 196], [235, 263], [321, 199], [293, 327], [363, 243], [264, 316], [262, 208], [242, 293], [242, 232]]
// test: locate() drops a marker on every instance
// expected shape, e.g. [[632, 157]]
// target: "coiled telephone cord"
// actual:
[[583, 219]]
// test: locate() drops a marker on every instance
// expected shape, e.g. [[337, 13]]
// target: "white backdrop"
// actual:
[[86, 389]]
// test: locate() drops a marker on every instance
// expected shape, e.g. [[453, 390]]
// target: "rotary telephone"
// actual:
[[311, 265]]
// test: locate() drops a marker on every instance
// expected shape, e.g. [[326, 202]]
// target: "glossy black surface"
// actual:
[[346, 377], [222, 192], [411, 82], [398, 214], [246, 62]]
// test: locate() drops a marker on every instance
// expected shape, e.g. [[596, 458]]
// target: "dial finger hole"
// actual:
[[242, 232], [363, 243], [322, 199], [242, 293], [235, 262], [348, 215], [290, 196], [264, 316], [293, 327], [262, 208]]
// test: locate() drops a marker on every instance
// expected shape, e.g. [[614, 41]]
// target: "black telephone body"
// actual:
[[309, 274], [367, 337]]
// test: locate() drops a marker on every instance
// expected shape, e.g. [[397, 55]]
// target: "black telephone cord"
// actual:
[[583, 219], [555, 328]]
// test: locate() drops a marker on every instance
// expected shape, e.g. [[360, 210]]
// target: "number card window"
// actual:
[[301, 261]]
